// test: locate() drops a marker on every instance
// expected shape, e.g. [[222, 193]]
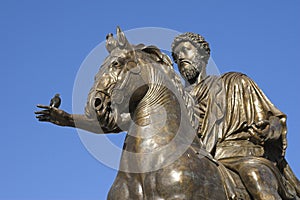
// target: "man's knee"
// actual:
[[260, 181]]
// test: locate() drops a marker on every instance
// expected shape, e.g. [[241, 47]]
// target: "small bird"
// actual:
[[55, 101]]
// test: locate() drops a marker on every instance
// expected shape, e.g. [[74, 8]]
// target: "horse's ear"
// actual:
[[122, 40], [111, 42]]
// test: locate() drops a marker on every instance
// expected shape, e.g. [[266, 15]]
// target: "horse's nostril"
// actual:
[[97, 102]]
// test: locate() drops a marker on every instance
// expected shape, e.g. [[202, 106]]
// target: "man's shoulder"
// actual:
[[234, 75], [224, 81], [230, 78], [225, 76]]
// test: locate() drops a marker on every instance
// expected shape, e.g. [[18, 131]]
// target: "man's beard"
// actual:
[[191, 70], [190, 73]]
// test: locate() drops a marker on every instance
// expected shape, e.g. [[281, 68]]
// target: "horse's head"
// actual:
[[121, 82]]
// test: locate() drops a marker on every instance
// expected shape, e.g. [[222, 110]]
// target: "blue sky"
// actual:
[[43, 44]]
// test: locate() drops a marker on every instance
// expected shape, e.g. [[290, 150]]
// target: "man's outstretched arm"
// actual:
[[62, 118]]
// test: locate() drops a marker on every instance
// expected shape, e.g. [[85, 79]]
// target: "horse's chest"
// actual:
[[169, 184], [166, 183], [189, 177], [179, 180]]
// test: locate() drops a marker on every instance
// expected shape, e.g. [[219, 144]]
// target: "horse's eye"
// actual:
[[115, 63]]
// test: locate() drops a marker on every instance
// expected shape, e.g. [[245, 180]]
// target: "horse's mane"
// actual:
[[167, 67]]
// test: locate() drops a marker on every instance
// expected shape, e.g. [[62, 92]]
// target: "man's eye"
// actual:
[[186, 48]]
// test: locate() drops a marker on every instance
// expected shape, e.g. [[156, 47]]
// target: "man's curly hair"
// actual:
[[197, 40]]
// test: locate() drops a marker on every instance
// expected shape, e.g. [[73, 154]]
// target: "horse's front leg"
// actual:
[[127, 186]]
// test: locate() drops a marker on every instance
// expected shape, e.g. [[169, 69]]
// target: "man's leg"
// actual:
[[260, 181]]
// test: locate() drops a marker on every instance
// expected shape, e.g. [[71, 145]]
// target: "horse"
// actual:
[[161, 156]]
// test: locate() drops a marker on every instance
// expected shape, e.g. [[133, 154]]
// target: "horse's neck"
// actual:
[[160, 125], [157, 119], [157, 105]]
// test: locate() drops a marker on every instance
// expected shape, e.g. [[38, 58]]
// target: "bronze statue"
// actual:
[[239, 125], [210, 140], [141, 80]]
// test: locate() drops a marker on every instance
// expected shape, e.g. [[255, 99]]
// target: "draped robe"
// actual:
[[229, 106], [237, 120]]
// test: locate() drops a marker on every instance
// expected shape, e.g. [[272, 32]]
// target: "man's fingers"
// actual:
[[43, 106], [42, 112], [262, 124], [43, 118]]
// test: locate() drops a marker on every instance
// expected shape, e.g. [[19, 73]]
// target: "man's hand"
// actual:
[[276, 128], [268, 129], [54, 115]]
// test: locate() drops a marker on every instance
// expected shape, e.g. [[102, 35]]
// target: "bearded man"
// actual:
[[238, 124]]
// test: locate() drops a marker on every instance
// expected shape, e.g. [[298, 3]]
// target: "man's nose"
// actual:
[[182, 55]]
